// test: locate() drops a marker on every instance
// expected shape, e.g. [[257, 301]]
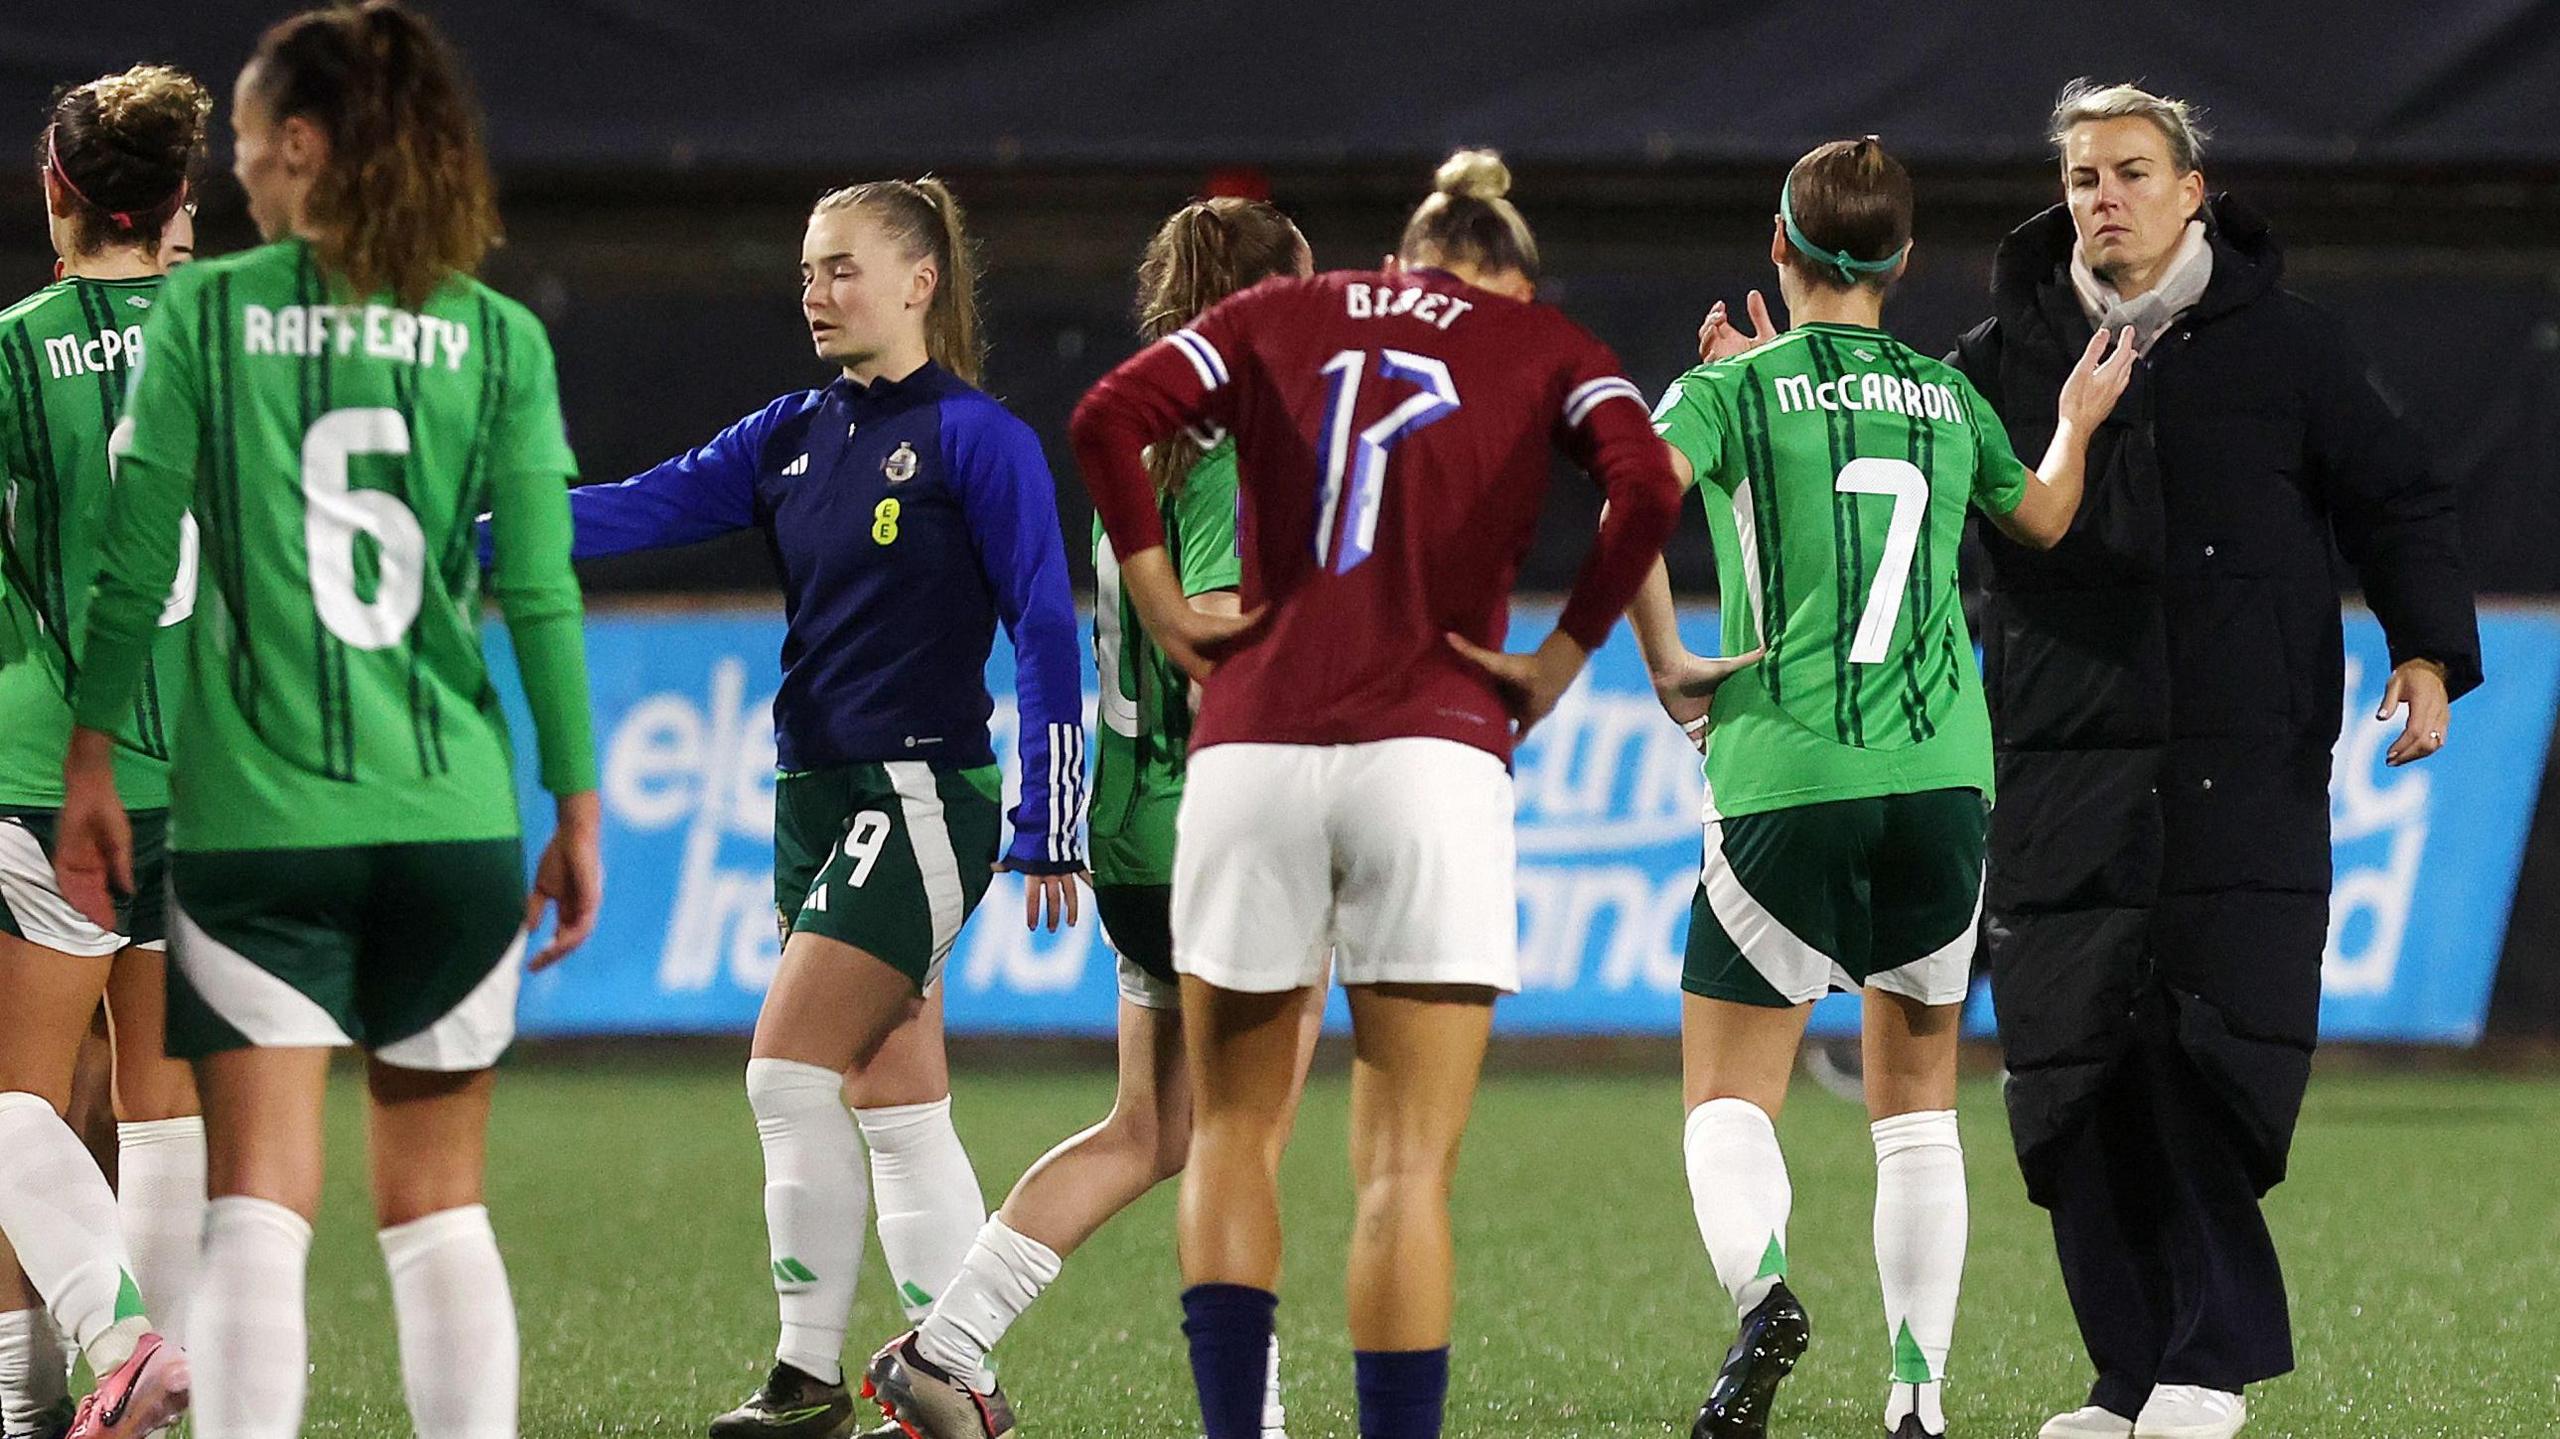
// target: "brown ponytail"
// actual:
[[122, 147], [406, 202], [1848, 198], [924, 219], [1466, 221], [1204, 252]]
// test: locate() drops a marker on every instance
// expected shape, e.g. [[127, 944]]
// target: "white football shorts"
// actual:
[[1393, 857]]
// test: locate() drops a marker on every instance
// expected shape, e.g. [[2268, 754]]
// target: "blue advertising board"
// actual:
[[2427, 857]]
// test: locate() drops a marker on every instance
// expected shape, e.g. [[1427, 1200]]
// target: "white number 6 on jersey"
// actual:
[[334, 515]]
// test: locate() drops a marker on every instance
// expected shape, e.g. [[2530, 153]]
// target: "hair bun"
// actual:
[[1473, 175]]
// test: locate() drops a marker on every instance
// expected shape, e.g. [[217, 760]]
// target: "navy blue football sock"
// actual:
[[1229, 1326], [1402, 1392]]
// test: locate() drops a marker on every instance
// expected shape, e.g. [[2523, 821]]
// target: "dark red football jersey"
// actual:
[[1392, 433]]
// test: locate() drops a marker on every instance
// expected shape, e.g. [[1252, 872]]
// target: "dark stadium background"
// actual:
[[657, 157]]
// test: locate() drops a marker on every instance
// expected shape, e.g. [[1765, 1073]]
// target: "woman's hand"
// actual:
[[1531, 684], [2418, 686], [570, 876], [1719, 340], [1193, 638], [1687, 688], [2090, 395], [93, 841], [1048, 896]]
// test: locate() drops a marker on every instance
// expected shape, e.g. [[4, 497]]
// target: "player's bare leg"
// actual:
[[1416, 1053], [1735, 1063], [55, 1205], [1242, 1053], [1058, 1204], [457, 1319], [264, 1164], [1920, 1220], [92, 1114], [927, 1203], [159, 1135], [1417, 1050], [35, 1371], [1072, 1190], [830, 1010], [35, 1396]]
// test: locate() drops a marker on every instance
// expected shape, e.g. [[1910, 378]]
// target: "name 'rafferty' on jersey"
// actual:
[[385, 333]]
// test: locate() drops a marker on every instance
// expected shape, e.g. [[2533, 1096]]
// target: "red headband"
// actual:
[[124, 219]]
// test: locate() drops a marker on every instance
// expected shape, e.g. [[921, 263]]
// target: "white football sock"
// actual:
[[1920, 1239], [813, 1204], [457, 1324], [160, 1203], [34, 1371], [61, 1218], [930, 1206], [1275, 1419], [252, 1340], [1738, 1184], [1006, 1270]]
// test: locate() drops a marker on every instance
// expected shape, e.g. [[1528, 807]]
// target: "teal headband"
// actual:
[[1849, 266]]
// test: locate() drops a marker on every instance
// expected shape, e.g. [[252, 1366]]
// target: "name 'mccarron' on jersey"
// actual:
[[1836, 465]]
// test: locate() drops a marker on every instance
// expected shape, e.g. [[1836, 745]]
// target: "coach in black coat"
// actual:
[[2165, 689]]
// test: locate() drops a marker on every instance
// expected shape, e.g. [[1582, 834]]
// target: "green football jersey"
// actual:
[[1144, 739], [1836, 465], [64, 354], [335, 456]]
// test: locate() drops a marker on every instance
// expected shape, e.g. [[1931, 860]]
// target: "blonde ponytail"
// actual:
[[1466, 220], [924, 218]]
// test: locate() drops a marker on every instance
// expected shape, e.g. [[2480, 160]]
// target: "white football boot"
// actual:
[[2190, 1411], [2087, 1422]]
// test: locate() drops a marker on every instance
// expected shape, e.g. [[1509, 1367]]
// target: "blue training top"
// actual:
[[907, 516]]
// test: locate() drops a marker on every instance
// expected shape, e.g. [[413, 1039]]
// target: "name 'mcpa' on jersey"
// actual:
[[65, 352], [1837, 465]]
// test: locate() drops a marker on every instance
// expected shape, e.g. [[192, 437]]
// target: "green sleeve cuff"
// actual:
[[551, 656], [110, 672]]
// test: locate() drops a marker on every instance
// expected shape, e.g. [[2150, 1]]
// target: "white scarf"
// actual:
[[2154, 311]]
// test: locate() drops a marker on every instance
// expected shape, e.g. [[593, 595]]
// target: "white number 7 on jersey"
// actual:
[[1910, 491], [1356, 483]]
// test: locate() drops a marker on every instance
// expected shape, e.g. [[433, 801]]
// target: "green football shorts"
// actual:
[[1138, 920], [888, 857], [33, 909], [1794, 903], [412, 952]]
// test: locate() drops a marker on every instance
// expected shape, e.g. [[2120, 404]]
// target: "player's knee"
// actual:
[[1403, 1172], [292, 1185], [415, 1194]]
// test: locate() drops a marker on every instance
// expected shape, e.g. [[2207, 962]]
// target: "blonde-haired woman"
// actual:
[[911, 513]]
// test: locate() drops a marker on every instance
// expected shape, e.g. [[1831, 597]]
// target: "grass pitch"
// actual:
[[2421, 1233]]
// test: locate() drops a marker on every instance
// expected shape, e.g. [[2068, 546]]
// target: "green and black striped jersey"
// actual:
[[1142, 744], [1837, 465], [64, 353], [335, 454]]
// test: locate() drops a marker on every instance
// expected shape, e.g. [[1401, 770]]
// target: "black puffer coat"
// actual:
[[2166, 683]]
